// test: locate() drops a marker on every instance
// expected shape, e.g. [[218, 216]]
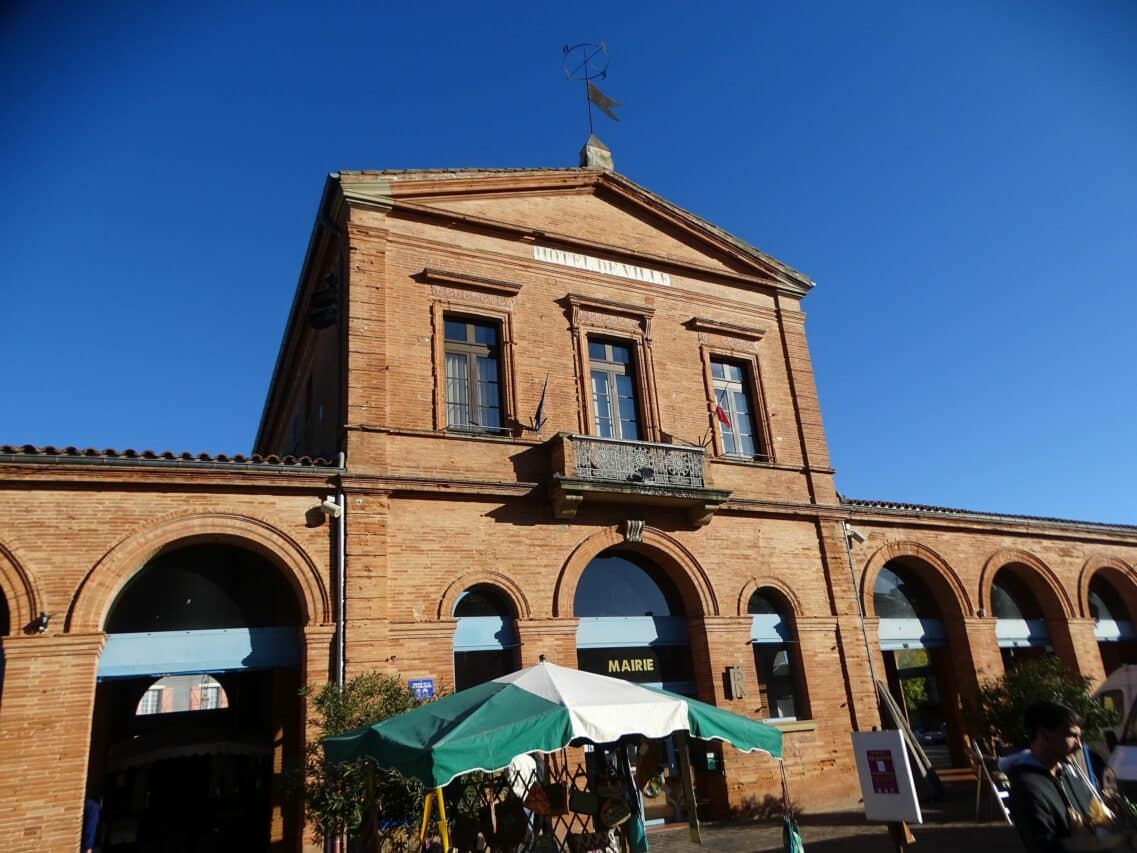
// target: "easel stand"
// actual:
[[901, 835]]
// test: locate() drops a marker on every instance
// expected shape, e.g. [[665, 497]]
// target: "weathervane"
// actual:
[[589, 62]]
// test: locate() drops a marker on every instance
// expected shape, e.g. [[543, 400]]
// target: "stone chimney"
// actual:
[[595, 155]]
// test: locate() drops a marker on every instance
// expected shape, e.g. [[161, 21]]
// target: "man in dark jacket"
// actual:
[[1048, 802]]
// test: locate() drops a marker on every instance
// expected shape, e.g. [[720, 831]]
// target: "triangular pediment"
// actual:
[[577, 207]]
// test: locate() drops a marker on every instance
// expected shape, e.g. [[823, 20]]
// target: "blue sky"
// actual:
[[960, 179]]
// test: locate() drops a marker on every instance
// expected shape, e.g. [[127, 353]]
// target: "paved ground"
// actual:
[[948, 826]]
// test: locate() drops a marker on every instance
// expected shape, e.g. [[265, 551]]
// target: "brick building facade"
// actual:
[[575, 421]]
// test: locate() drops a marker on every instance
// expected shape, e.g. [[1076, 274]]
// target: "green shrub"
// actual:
[[335, 795], [1001, 702]]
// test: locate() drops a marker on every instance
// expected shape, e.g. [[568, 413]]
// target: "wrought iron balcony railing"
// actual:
[[637, 472]]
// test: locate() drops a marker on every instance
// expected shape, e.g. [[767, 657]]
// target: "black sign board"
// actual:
[[639, 663]]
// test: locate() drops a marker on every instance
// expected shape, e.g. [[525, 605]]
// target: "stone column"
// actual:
[[45, 731]]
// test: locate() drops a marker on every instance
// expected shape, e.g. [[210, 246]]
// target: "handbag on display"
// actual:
[[614, 811], [557, 795], [537, 800], [583, 802]]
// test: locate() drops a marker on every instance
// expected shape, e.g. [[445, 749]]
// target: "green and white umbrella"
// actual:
[[539, 709]]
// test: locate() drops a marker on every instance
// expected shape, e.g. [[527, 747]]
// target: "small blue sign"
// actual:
[[422, 688]]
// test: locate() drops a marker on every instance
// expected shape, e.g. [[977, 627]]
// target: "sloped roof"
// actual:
[[950, 512], [50, 454]]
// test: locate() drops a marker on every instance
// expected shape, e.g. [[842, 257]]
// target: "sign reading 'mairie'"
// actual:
[[587, 262]]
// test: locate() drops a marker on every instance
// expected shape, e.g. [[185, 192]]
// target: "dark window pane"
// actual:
[[615, 586], [621, 355], [485, 335], [717, 369], [760, 603], [455, 330], [474, 668], [596, 351]]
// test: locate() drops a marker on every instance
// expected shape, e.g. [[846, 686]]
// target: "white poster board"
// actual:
[[887, 786]]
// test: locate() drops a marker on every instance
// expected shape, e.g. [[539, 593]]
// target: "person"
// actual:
[[90, 823], [1049, 801]]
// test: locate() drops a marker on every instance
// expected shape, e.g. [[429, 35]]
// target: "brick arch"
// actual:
[[92, 602], [1043, 583], [942, 581], [20, 590], [677, 562], [754, 584], [1121, 576], [506, 586]]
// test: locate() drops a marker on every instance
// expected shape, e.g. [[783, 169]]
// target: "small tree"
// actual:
[[1001, 702], [335, 795]]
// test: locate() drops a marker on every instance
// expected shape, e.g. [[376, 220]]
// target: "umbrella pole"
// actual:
[[681, 742], [427, 808], [442, 821]]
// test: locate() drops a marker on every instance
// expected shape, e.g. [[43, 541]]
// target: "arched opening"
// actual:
[[485, 640], [196, 707], [777, 664], [633, 626], [1020, 625], [1113, 623], [5, 630], [917, 659], [632, 623]]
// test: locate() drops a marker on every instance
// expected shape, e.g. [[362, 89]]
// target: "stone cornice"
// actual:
[[702, 324], [473, 282]]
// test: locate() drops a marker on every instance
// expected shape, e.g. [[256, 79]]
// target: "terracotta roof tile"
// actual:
[[31, 453], [927, 509]]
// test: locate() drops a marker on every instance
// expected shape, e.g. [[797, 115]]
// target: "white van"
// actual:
[[1114, 757]]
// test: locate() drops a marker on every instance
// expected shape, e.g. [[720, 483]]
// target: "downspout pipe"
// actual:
[[341, 579], [849, 535]]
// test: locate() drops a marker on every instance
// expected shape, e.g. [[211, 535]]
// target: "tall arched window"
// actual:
[[1020, 629], [632, 623], [776, 661], [485, 641], [1113, 625]]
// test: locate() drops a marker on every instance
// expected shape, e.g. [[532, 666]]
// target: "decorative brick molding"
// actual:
[[1121, 576], [942, 580], [1043, 583], [103, 582], [503, 584], [20, 591], [676, 561], [781, 588]]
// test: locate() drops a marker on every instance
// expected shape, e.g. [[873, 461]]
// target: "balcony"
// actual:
[[639, 473]]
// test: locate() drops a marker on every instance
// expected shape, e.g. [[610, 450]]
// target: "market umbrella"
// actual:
[[538, 709]]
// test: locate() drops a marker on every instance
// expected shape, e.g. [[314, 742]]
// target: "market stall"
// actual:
[[542, 710]]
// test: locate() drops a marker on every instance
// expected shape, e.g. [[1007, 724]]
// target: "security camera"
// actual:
[[330, 507], [854, 534]]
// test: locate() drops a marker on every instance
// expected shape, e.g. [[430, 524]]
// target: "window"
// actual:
[[734, 411], [210, 697], [473, 393], [485, 640], [614, 408], [771, 634], [151, 702]]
